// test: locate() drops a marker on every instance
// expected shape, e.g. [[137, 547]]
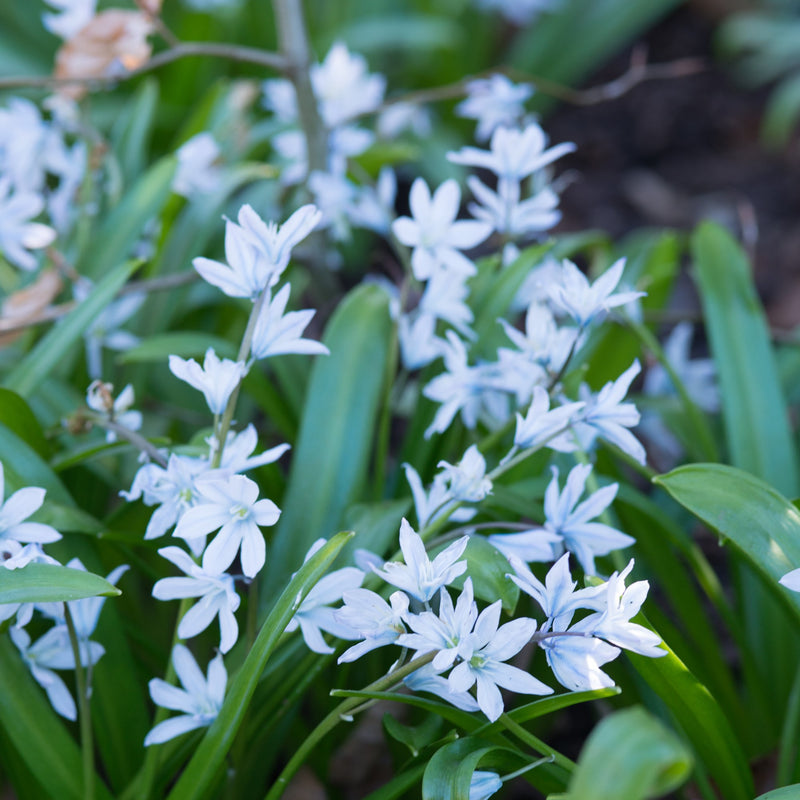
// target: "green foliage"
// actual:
[[630, 755]]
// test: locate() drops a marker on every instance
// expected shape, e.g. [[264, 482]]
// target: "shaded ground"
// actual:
[[672, 152]]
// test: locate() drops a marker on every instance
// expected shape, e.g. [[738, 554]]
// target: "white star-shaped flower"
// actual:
[[216, 379], [434, 233], [419, 576], [231, 504], [200, 699]]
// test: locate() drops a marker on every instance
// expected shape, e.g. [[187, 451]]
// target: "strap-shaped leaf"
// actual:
[[51, 349], [200, 773], [334, 446], [115, 238], [756, 519], [630, 755], [786, 793], [702, 720], [50, 583], [754, 411], [449, 772], [37, 733]]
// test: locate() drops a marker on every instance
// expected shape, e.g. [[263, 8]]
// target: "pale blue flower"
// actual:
[[484, 653], [277, 333], [200, 699], [231, 504], [216, 379], [419, 576], [217, 595], [379, 622]]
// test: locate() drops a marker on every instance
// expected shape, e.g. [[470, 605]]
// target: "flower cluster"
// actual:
[[201, 495], [21, 542]]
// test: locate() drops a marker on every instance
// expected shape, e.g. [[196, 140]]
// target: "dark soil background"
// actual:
[[672, 152]]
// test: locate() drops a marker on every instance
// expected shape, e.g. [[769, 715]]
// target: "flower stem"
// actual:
[[536, 744], [335, 717], [221, 431], [296, 55], [87, 746]]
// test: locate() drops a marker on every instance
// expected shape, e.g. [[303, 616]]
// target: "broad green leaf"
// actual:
[[449, 772], [186, 344], [630, 755], [756, 420], [786, 793], [51, 348], [23, 467], [50, 583], [757, 431], [16, 414], [37, 733], [333, 450], [661, 540], [488, 568], [752, 515], [414, 737], [376, 525], [113, 242], [702, 720], [197, 779]]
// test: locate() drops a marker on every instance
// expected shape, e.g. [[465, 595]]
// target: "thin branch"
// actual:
[[638, 72], [249, 55], [137, 440], [161, 284]]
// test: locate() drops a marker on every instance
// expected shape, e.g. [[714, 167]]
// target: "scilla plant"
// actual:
[[353, 472]]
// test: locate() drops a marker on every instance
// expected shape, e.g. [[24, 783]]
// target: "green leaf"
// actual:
[[785, 793], [39, 736], [756, 519], [51, 348], [449, 772], [488, 568], [198, 777], [782, 112], [114, 240], [702, 720], [757, 430], [16, 415], [630, 755], [414, 737], [756, 420], [186, 344], [23, 467], [334, 445], [133, 128], [549, 705], [50, 583]]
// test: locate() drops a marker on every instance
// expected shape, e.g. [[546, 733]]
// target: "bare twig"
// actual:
[[138, 441], [249, 55], [638, 72], [161, 284]]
